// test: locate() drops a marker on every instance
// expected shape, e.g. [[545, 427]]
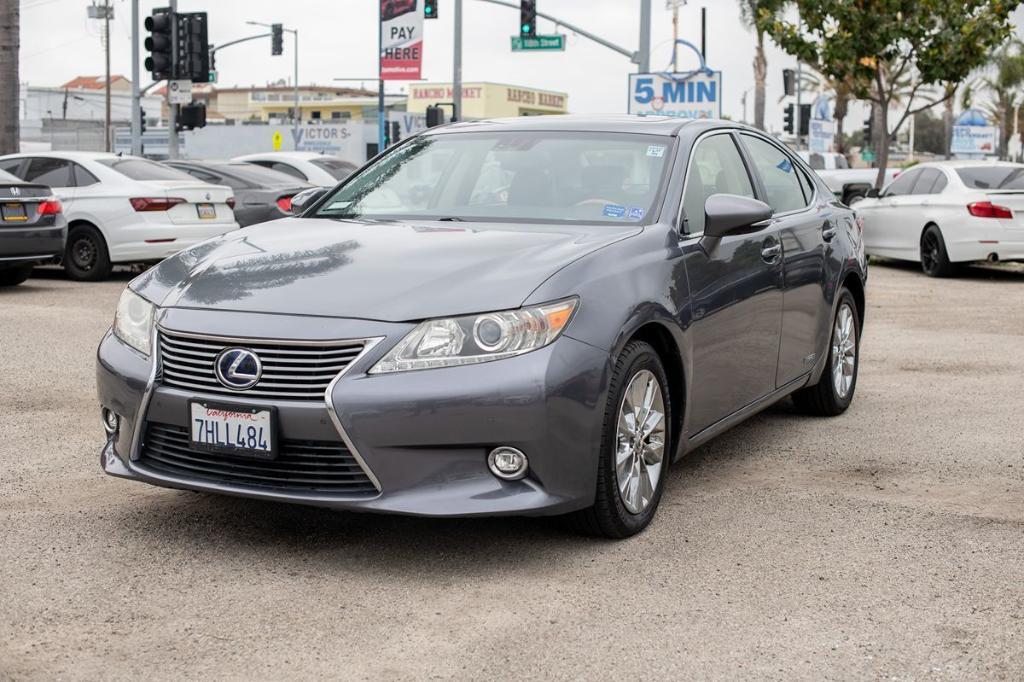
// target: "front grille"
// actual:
[[292, 371], [301, 465]]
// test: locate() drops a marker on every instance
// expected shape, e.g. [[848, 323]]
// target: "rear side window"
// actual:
[[992, 177], [7, 177], [11, 166], [52, 172], [903, 185], [779, 174], [940, 184], [716, 167], [83, 178], [926, 180], [141, 169], [288, 170]]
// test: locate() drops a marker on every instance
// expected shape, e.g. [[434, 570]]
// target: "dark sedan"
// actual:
[[32, 228], [261, 194], [533, 316]]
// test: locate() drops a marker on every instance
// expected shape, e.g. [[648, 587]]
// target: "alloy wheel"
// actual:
[[930, 251], [84, 253], [844, 351], [640, 441]]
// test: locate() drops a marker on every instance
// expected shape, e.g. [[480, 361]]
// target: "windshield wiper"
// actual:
[[450, 219]]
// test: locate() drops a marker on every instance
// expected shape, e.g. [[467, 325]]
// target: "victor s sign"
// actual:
[[401, 40], [697, 94]]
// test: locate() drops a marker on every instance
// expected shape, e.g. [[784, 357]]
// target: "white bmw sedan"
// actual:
[[945, 213], [125, 209]]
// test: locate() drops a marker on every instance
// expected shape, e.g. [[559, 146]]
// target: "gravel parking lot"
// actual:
[[888, 542]]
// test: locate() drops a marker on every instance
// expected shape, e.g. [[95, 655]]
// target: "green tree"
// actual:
[[9, 103], [878, 44], [751, 10], [1006, 74], [929, 133]]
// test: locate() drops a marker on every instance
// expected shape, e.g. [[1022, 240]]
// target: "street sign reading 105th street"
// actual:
[[555, 42]]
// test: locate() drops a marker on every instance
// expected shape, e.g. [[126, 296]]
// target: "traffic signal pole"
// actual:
[[457, 60], [172, 109], [136, 100]]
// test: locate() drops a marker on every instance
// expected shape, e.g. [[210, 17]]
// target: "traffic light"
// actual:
[[787, 118], [430, 9], [528, 18], [435, 116], [193, 47], [276, 39], [394, 132], [142, 120], [160, 62], [789, 82], [191, 116], [805, 119], [869, 130]]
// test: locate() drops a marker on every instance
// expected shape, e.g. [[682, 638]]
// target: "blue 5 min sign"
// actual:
[[697, 94]]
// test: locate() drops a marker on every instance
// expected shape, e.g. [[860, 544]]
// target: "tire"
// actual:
[[934, 257], [11, 277], [617, 513], [86, 258], [831, 396]]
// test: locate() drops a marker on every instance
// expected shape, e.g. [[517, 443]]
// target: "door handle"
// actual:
[[770, 252], [828, 231]]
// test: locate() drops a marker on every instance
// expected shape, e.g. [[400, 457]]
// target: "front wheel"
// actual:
[[635, 447], [834, 391]]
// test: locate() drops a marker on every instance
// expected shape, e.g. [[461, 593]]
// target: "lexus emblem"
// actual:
[[238, 368]]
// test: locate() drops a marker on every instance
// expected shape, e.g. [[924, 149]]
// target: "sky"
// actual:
[[338, 39]]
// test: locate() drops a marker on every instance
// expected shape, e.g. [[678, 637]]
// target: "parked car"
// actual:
[[532, 316], [261, 194], [32, 228], [941, 214], [849, 185], [124, 209], [316, 169]]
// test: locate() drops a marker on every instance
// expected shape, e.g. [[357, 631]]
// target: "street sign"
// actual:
[[213, 76], [277, 140], [697, 94], [179, 92], [527, 43], [867, 155]]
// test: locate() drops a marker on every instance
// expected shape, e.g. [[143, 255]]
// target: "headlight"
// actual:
[[133, 322], [477, 338]]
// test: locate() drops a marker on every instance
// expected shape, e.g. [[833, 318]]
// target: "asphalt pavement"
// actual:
[[888, 542]]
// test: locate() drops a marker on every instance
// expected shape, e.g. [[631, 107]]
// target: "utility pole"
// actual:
[[645, 37], [136, 105], [457, 61], [106, 45], [298, 107], [799, 125], [704, 33], [381, 123], [172, 109]]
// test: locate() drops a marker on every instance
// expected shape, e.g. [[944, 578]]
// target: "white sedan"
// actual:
[[125, 209], [944, 213], [317, 169]]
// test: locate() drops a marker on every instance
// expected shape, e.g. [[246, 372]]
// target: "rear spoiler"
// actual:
[[1001, 192], [22, 190]]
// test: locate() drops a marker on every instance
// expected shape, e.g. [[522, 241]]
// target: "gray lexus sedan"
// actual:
[[534, 316]]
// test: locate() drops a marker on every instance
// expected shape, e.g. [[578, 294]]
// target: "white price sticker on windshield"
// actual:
[[656, 150]]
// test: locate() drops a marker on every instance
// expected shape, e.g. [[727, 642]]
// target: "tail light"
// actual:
[[285, 204], [155, 203], [986, 209], [50, 207], [231, 203]]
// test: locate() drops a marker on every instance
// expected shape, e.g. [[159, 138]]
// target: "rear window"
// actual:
[[992, 177], [141, 169], [339, 170]]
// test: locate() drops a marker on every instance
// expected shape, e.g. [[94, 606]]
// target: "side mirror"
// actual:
[[732, 214], [306, 198], [873, 193]]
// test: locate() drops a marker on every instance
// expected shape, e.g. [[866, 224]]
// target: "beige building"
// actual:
[[277, 102], [489, 100]]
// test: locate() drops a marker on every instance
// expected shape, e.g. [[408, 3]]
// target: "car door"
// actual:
[[882, 233], [805, 224], [736, 290]]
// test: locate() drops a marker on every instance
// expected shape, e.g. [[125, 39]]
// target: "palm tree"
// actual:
[[842, 91], [754, 11], [9, 104], [1003, 81]]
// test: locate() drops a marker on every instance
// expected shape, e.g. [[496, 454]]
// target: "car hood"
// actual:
[[389, 271]]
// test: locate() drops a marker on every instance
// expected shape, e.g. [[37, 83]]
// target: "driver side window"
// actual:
[[716, 167]]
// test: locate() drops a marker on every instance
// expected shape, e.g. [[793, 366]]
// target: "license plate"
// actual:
[[14, 212], [206, 211], [232, 429]]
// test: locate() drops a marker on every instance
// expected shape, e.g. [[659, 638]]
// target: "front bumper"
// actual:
[[423, 436]]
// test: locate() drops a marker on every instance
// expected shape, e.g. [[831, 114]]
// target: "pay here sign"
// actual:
[[401, 40], [684, 95]]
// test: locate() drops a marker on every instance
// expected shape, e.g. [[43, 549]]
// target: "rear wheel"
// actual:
[[86, 258], [635, 447], [10, 277], [834, 391], [934, 257]]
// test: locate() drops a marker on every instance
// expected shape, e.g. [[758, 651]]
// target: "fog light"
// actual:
[[110, 421], [507, 463]]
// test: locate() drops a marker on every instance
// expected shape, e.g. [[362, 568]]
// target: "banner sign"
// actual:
[[401, 40], [697, 94], [822, 136], [975, 140]]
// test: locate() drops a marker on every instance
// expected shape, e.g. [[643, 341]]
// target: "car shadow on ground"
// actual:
[[982, 271]]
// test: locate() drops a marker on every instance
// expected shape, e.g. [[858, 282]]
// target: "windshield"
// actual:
[[510, 176], [141, 169], [339, 170], [992, 177]]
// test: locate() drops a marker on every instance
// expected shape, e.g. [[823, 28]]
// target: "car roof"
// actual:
[[284, 156], [610, 123], [70, 155], [965, 163]]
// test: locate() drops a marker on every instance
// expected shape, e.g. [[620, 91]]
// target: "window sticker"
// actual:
[[636, 213], [786, 166], [614, 211], [656, 150]]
